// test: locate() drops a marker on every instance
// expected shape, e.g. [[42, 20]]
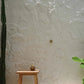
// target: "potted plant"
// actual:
[[76, 59]]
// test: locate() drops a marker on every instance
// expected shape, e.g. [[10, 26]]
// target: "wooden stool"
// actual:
[[21, 73]]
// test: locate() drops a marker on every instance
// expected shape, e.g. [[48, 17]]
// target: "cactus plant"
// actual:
[[3, 44]]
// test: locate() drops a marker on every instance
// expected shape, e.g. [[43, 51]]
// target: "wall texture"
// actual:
[[31, 24]]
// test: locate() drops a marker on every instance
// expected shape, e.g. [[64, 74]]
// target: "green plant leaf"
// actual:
[[77, 59], [82, 60], [82, 65], [83, 81]]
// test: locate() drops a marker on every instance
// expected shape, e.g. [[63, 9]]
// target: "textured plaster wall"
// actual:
[[31, 24]]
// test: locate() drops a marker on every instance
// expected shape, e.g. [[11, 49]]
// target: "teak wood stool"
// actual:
[[21, 73]]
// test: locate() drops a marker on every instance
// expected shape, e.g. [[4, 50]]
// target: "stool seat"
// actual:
[[28, 72], [21, 73]]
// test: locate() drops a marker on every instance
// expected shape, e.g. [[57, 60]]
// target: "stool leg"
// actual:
[[36, 79], [20, 79]]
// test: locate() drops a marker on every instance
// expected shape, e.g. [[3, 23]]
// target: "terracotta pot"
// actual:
[[32, 68]]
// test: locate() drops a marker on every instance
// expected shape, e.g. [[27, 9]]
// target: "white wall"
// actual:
[[31, 24]]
